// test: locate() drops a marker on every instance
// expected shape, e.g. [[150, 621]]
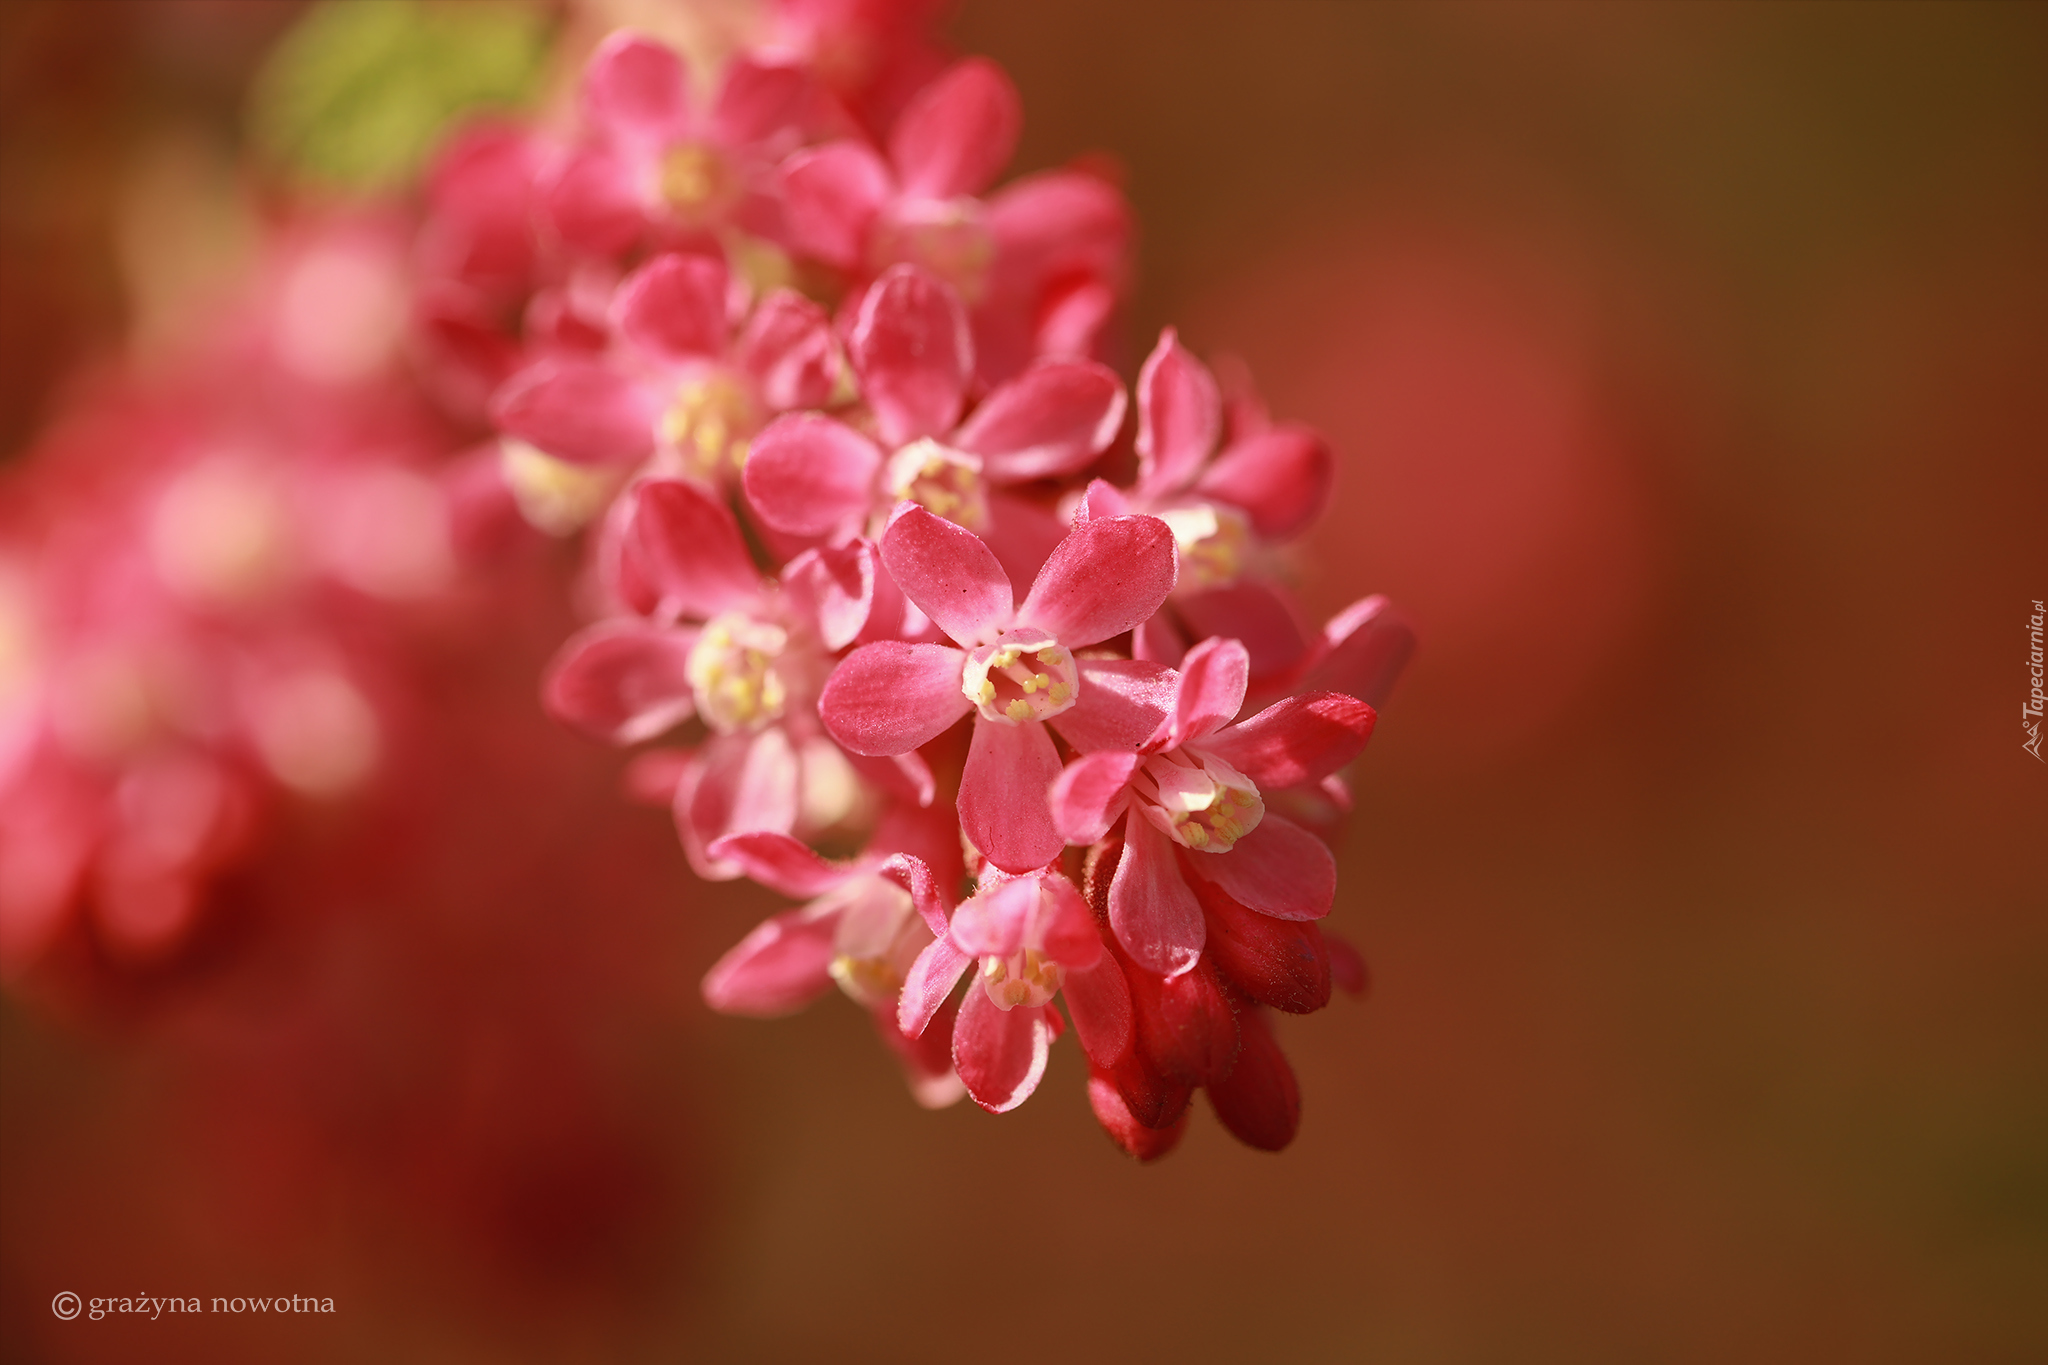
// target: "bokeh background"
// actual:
[[1689, 369]]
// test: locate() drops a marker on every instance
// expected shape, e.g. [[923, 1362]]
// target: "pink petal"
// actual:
[[992, 922], [1347, 966], [1277, 962], [1259, 1101], [688, 548], [740, 784], [831, 197], [593, 202], [1050, 420], [999, 1053], [777, 969], [1059, 224], [926, 985], [915, 875], [1074, 319], [959, 132], [949, 573], [1279, 869], [1066, 924], [889, 697], [787, 347], [905, 776], [1090, 794], [1281, 478], [1301, 739], [927, 1059], [1362, 651], [1179, 417], [673, 307], [1159, 641], [810, 475], [1004, 805], [832, 588], [1155, 916], [623, 683], [654, 775], [912, 349], [1100, 1002], [1122, 703], [1113, 1112], [1103, 579], [1211, 690], [761, 101], [780, 863], [636, 88], [1254, 615], [1102, 500], [578, 410], [1021, 534]]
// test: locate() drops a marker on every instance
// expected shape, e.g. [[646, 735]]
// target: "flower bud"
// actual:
[[1277, 962], [1258, 1101]]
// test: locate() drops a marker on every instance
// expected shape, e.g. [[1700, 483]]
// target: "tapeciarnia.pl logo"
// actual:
[[2030, 713]]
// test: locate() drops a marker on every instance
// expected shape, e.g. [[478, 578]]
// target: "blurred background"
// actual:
[[1686, 364]]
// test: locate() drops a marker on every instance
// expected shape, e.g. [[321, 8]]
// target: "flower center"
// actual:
[[1026, 978], [553, 495], [878, 937], [733, 672], [1200, 801], [943, 481], [694, 180], [1023, 676], [708, 424], [1212, 541]]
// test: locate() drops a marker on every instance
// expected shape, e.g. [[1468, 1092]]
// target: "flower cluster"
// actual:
[[979, 654]]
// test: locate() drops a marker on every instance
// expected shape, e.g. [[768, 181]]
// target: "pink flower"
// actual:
[[1265, 487], [1033, 938], [1190, 797], [712, 638], [682, 384], [812, 476], [651, 160], [864, 926], [1014, 667], [848, 207]]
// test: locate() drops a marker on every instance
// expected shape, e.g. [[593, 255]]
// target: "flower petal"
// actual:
[[926, 985], [1179, 417], [1254, 615], [740, 784], [593, 203], [831, 196], [636, 88], [1279, 869], [1362, 651], [832, 587], [621, 682], [912, 349], [578, 410], [1155, 916], [999, 1053], [1100, 1002], [762, 101], [993, 921], [1277, 962], [1113, 1112], [1101, 500], [1281, 478], [1050, 420], [810, 475], [1301, 739], [1259, 1101], [959, 132], [1021, 534], [914, 875], [1122, 703], [1090, 794], [889, 697], [1211, 690], [949, 573], [787, 347], [781, 863], [1104, 578], [687, 547], [1005, 809], [673, 307], [777, 969]]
